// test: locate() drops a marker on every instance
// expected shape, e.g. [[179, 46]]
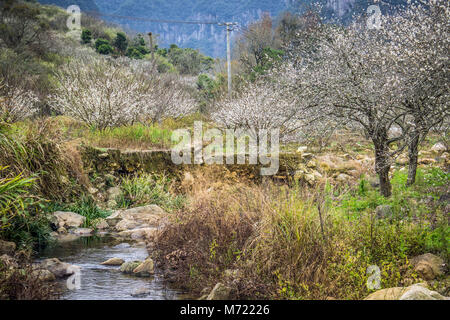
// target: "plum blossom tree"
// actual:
[[17, 104], [349, 71], [274, 101], [105, 93], [419, 47]]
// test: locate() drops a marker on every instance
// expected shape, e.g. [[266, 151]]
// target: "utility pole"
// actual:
[[229, 26], [152, 48]]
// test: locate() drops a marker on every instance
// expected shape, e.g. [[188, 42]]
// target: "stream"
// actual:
[[99, 282]]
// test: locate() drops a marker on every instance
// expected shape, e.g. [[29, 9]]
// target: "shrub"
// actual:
[[285, 244], [99, 42], [86, 36], [22, 284], [121, 42], [105, 49]]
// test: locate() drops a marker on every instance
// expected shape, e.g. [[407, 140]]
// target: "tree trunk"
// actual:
[[413, 154], [382, 167]]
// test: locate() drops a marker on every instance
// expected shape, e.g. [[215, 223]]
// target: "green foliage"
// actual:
[[163, 65], [105, 49], [21, 218], [12, 192], [189, 61], [87, 207], [209, 90], [86, 36], [147, 189], [137, 52], [137, 135], [270, 58], [121, 42], [99, 42]]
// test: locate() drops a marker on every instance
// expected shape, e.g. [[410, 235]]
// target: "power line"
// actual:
[[94, 13], [229, 28]]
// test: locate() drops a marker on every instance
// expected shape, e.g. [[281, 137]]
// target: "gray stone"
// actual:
[[415, 292], [145, 269], [219, 292], [439, 147], [141, 292], [69, 219], [374, 182], [58, 268], [114, 193], [102, 224], [113, 262], [420, 292], [128, 267], [82, 232], [343, 178], [428, 266]]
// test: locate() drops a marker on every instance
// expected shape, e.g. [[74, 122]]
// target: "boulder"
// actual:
[[414, 292], [93, 190], [387, 294], [58, 268], [427, 161], [147, 214], [113, 262], [428, 266], [343, 178], [114, 219], [7, 247], [141, 292], [62, 230], [114, 193], [128, 267], [138, 234], [384, 212], [69, 219], [126, 224], [145, 269], [82, 231], [420, 292], [439, 147], [302, 149], [101, 224], [219, 292]]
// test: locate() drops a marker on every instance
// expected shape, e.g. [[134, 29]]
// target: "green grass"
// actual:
[[146, 189], [87, 207], [134, 136], [408, 204]]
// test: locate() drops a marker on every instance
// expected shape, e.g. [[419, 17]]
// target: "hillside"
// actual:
[[210, 39]]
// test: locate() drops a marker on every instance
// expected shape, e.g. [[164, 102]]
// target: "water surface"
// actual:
[[100, 282]]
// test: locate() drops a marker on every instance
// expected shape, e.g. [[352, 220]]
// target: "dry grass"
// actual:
[[279, 242]]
